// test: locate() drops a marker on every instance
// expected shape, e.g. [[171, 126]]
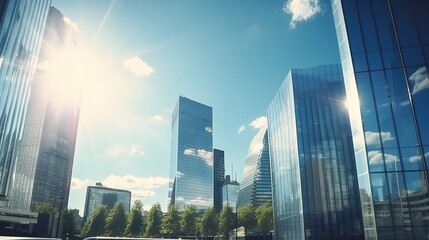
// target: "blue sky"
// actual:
[[231, 55]]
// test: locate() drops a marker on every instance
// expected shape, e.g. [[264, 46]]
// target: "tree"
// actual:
[[69, 225], [96, 224], [226, 221], [264, 217], [116, 221], [247, 218], [188, 221], [135, 221], [171, 222], [45, 207], [209, 222], [154, 221]]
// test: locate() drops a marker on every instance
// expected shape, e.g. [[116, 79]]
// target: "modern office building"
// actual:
[[22, 25], [230, 191], [315, 189], [384, 49], [219, 177], [99, 195], [46, 151], [255, 189], [191, 166]]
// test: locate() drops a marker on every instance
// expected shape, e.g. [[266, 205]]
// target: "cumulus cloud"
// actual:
[[257, 143], [241, 129], [134, 183], [158, 118], [138, 67], [372, 138], [301, 10], [419, 80], [259, 122], [201, 153], [77, 183], [376, 157], [69, 22], [120, 150]]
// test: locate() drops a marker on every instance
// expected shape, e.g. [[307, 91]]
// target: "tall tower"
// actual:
[[384, 49], [315, 191], [218, 177], [21, 27], [191, 166], [255, 189]]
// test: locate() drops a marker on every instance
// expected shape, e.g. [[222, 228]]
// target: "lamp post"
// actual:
[[59, 217]]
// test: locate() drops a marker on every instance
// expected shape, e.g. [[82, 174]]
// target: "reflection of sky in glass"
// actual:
[[419, 80]]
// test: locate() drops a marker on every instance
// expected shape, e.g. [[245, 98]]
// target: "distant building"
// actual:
[[315, 187], [219, 177], [21, 28], [384, 50], [191, 166], [255, 188], [230, 193], [99, 195]]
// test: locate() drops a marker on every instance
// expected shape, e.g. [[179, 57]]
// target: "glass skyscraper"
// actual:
[[219, 176], [315, 190], [22, 23], [191, 166], [255, 189], [230, 191], [384, 49]]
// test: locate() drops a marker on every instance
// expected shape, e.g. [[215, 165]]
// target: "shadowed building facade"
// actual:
[[219, 176], [191, 165], [384, 49], [315, 191]]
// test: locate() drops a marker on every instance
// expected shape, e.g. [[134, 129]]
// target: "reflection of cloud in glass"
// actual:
[[208, 129], [427, 155], [415, 158], [199, 201], [180, 174], [419, 80], [372, 138], [376, 157], [201, 153]]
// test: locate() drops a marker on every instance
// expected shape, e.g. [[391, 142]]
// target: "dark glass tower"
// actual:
[[219, 176], [384, 48], [255, 189], [315, 190], [21, 27], [191, 166]]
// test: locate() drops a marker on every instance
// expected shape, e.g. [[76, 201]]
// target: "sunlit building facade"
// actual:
[[219, 176], [21, 28], [230, 190], [191, 166], [384, 49], [315, 190], [100, 195], [255, 188]]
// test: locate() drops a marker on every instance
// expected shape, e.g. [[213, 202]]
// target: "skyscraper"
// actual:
[[384, 49], [255, 189], [230, 191], [315, 191], [22, 24], [219, 176], [45, 159], [191, 166]]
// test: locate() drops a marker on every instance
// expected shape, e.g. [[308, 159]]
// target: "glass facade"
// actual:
[[255, 189], [99, 195], [230, 192], [191, 166], [22, 24], [384, 49], [219, 175], [315, 189]]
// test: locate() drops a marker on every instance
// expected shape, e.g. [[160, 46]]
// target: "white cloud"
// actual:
[[201, 153], [133, 183], [301, 10], [420, 80], [241, 129], [138, 67], [69, 22], [257, 143], [259, 122], [158, 118], [372, 138], [77, 183], [208, 129], [120, 150], [415, 158], [376, 157], [199, 201]]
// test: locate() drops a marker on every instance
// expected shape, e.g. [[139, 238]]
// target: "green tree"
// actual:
[[264, 217], [116, 221], [96, 224], [247, 218], [135, 221], [209, 222], [226, 221], [171, 222], [45, 207], [154, 221], [188, 221], [69, 224]]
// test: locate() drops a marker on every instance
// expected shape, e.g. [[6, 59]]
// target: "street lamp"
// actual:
[[59, 217]]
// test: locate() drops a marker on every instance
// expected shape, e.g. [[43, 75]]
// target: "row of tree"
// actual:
[[174, 223]]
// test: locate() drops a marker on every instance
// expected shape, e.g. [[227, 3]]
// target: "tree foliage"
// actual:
[[69, 224], [226, 221], [247, 218], [171, 222], [188, 221], [209, 222], [154, 221], [45, 207], [116, 221], [96, 224], [135, 221], [264, 217]]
